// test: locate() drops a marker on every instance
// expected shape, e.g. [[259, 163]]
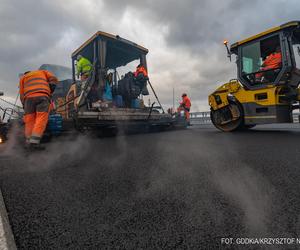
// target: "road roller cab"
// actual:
[[266, 88]]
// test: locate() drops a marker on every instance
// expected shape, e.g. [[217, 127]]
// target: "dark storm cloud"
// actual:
[[199, 27], [36, 32], [28, 28], [198, 24]]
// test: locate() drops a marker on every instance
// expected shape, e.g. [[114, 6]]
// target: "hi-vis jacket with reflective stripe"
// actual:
[[36, 83]]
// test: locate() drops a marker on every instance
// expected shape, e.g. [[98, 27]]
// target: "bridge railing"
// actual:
[[296, 117], [9, 110], [204, 117], [200, 117]]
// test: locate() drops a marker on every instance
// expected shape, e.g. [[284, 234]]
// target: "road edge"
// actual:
[[7, 241]]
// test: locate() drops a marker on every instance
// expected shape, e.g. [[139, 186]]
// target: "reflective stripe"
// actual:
[[260, 117], [35, 79], [28, 85], [46, 91], [34, 139]]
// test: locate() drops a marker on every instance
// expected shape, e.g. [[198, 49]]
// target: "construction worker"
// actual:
[[185, 105], [141, 77], [272, 61], [140, 70], [84, 67], [36, 88]]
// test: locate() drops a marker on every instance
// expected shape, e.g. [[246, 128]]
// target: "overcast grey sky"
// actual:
[[184, 37]]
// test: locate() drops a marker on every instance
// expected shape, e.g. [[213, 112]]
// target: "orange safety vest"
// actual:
[[141, 70], [273, 61], [186, 102], [36, 83]]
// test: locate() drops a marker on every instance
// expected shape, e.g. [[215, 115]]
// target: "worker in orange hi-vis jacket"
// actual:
[[36, 88], [272, 62], [185, 105], [140, 69]]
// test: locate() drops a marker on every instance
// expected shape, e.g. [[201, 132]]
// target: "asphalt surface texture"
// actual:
[[184, 189]]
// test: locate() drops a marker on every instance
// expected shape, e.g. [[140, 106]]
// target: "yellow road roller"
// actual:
[[267, 86]]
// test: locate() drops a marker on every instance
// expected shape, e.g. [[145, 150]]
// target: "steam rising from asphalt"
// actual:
[[171, 172], [61, 152], [8, 149], [246, 189], [243, 188], [57, 154]]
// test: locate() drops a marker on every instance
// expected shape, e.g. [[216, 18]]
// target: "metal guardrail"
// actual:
[[204, 117], [296, 117], [9, 110], [200, 117]]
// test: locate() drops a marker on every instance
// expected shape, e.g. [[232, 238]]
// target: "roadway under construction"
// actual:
[[146, 191], [192, 188]]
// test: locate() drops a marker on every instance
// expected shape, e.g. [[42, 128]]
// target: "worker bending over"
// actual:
[[36, 88], [185, 105], [84, 67]]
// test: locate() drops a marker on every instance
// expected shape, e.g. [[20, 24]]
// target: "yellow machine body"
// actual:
[[259, 95]]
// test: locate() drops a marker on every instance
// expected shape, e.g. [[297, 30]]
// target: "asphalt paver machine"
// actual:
[[260, 94], [85, 104]]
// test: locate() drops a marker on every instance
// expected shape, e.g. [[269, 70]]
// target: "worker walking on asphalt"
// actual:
[[84, 67], [185, 105], [36, 88]]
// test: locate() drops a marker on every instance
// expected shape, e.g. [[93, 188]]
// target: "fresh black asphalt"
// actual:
[[184, 189]]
